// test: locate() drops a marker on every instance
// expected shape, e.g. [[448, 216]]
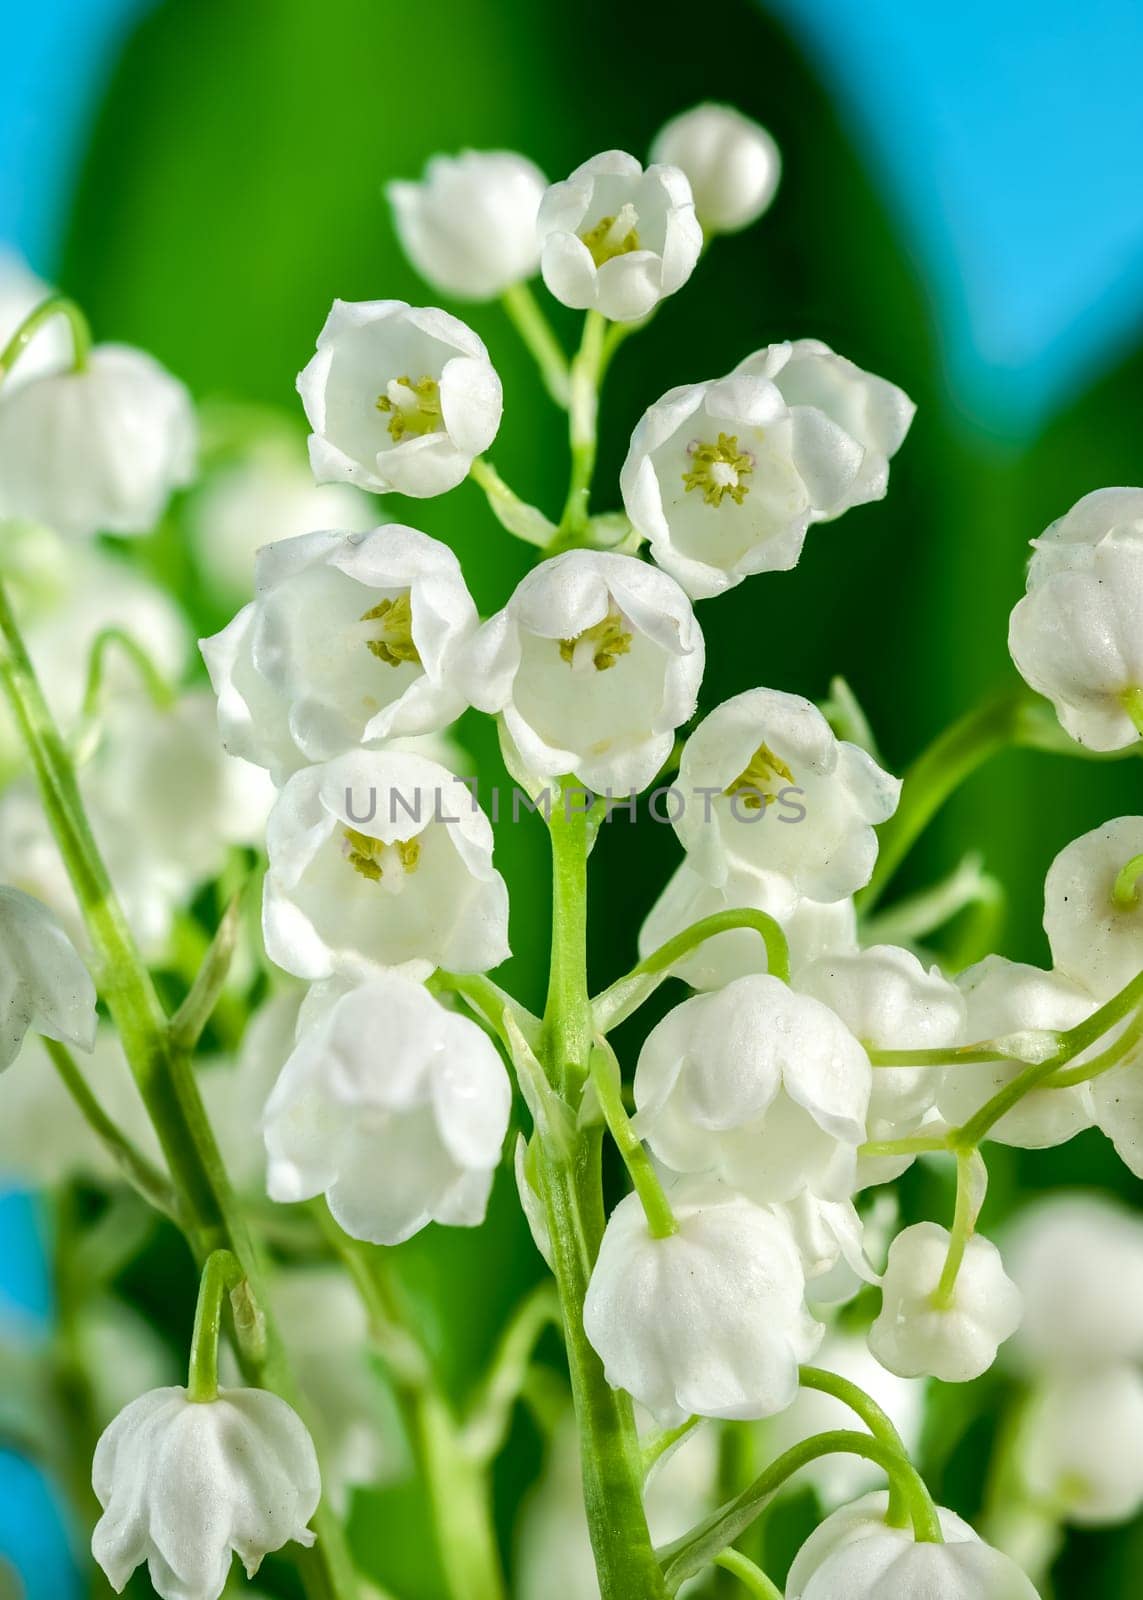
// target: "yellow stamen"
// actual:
[[758, 782], [613, 236], [393, 643], [372, 858], [413, 408], [601, 645], [719, 470]]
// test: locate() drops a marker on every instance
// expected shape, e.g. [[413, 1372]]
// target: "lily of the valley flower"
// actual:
[[21, 291], [98, 450], [469, 225], [731, 163], [352, 638], [1093, 907], [1071, 540], [393, 1108], [710, 1321], [381, 859], [769, 788], [399, 397], [921, 1332], [617, 239], [43, 982], [594, 662], [1078, 1446], [186, 1485]]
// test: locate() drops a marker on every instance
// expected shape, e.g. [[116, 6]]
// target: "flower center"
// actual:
[[759, 782], [599, 646], [613, 236], [392, 641], [719, 469], [413, 408], [381, 863]]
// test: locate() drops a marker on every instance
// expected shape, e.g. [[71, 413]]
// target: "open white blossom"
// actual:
[[469, 225], [711, 1320], [1078, 1446], [43, 982], [724, 478], [381, 859], [856, 1555], [352, 638], [186, 1485], [917, 1335], [400, 398], [764, 1088], [593, 663], [98, 450], [1075, 638], [1004, 997], [731, 163], [1070, 541], [392, 1107], [768, 788], [1093, 914], [617, 239], [871, 411]]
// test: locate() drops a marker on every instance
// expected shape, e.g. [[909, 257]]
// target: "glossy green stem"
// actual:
[[56, 306]]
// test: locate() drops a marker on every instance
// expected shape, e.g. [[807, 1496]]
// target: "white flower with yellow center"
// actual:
[[731, 163], [617, 239], [469, 225], [381, 859], [593, 663], [352, 638], [724, 478], [769, 789], [400, 398]]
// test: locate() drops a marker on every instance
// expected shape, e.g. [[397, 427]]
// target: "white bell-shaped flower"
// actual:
[[711, 1320], [856, 1555], [1077, 1260], [381, 859], [872, 412], [768, 788], [1078, 1446], [98, 450], [21, 291], [1093, 912], [43, 982], [400, 398], [1070, 541], [731, 163], [724, 478], [469, 225], [593, 663], [352, 638], [1004, 997], [813, 928], [918, 1334], [1076, 637], [186, 1485], [889, 1001], [617, 239], [830, 1237], [764, 1088], [396, 1138]]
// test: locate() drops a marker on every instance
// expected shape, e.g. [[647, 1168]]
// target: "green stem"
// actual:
[[964, 1223], [608, 1087], [1104, 1061], [56, 306], [486, 1426], [879, 1423], [660, 1443], [518, 516], [568, 1022], [221, 1274], [586, 373], [628, 993], [489, 1001], [527, 317], [1125, 891], [109, 639], [749, 1574]]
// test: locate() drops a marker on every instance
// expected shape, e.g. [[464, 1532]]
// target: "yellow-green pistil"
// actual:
[[373, 859], [392, 641], [613, 236], [719, 470], [413, 408], [759, 782], [601, 645]]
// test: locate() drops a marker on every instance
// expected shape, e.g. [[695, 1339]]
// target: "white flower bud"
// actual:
[[617, 239], [400, 398], [711, 1320], [915, 1335], [731, 163], [1078, 1446], [1096, 936], [96, 451], [352, 638], [469, 225], [1004, 997], [393, 1144], [594, 662], [855, 1555], [762, 1087], [43, 982], [186, 1485], [381, 859], [770, 789]]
